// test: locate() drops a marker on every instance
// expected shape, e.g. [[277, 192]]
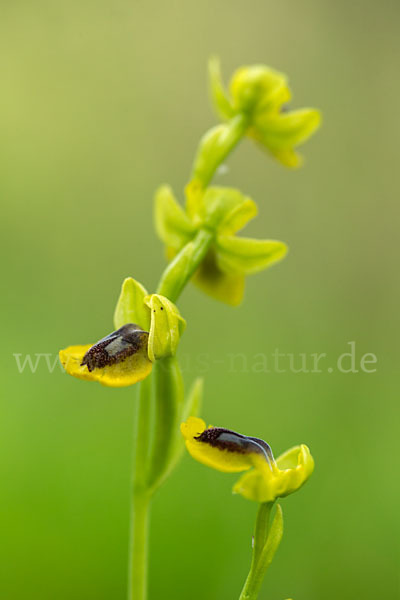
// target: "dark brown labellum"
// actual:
[[226, 439], [115, 347]]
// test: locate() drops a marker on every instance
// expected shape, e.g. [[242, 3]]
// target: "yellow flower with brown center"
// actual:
[[126, 355], [230, 452], [221, 212], [117, 360]]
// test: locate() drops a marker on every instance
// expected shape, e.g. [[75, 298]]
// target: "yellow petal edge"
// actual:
[[130, 371]]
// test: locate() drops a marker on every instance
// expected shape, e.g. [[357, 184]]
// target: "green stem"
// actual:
[[261, 529], [142, 432], [139, 546], [256, 574], [215, 146], [213, 149], [169, 401], [138, 551], [150, 471], [185, 264]]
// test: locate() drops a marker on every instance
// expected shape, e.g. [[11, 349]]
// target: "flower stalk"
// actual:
[[140, 512], [169, 402], [182, 268], [202, 245], [266, 541], [151, 467], [215, 146], [139, 550]]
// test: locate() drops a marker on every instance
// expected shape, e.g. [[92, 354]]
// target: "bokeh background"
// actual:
[[100, 103]]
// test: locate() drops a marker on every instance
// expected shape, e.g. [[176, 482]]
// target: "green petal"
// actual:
[[166, 327], [130, 306], [294, 468], [245, 255], [226, 210], [255, 486], [172, 223], [287, 130], [225, 287], [218, 94]]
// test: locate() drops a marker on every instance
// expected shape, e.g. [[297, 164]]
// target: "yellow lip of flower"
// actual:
[[224, 449], [265, 479], [117, 360]]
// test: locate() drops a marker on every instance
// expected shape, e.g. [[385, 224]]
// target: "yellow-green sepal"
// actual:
[[219, 95], [246, 255], [166, 327], [172, 223], [130, 306]]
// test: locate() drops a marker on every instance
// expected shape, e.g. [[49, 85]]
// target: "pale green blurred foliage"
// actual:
[[101, 103]]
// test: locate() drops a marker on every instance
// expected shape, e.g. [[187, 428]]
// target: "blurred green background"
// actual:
[[100, 103]]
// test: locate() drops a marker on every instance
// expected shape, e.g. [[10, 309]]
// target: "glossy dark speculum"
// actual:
[[115, 347], [226, 439]]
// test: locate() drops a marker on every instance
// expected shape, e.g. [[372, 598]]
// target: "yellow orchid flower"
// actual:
[[117, 360], [260, 95], [230, 452], [126, 355], [222, 212]]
